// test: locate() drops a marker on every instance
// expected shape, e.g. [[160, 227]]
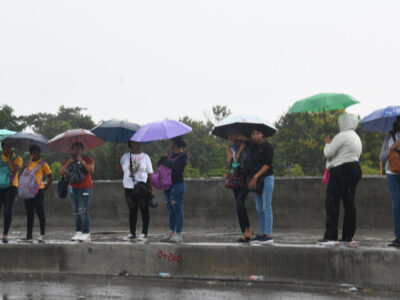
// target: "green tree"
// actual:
[[8, 120]]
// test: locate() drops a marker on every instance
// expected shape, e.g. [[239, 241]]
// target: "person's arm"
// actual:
[[118, 164], [49, 181], [89, 167], [63, 169], [269, 153], [240, 151], [384, 154], [151, 188], [229, 156], [12, 164], [331, 149], [176, 164]]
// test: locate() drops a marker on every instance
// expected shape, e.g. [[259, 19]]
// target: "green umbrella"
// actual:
[[323, 102]]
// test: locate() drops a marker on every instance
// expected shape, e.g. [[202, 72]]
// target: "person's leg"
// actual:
[[171, 213], [178, 191], [8, 206], [129, 202], [83, 205], [267, 204], [29, 207], [353, 176], [39, 207], [259, 208], [240, 198], [144, 211], [73, 197], [393, 182], [332, 204]]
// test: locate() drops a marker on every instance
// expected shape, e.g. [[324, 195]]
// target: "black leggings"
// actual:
[[240, 198], [7, 197], [342, 185], [31, 205], [134, 203]]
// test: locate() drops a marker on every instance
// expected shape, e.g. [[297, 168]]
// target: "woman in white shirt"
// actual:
[[137, 169], [392, 142]]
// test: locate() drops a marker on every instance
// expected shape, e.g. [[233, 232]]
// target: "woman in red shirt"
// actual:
[[78, 169]]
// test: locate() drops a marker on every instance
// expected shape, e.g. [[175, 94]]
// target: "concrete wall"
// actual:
[[297, 203]]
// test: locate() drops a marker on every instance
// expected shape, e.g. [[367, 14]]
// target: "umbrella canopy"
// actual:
[[243, 123], [163, 130], [4, 133], [115, 131], [64, 141], [24, 140], [381, 120], [323, 102]]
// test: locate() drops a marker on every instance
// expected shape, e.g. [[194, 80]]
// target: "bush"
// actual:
[[55, 168], [294, 171]]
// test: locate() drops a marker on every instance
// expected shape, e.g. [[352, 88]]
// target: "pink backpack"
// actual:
[[27, 186], [162, 177]]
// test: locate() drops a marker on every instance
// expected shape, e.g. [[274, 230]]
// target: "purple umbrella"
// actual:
[[157, 131]]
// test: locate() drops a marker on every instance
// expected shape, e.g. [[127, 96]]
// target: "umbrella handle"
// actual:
[[326, 127]]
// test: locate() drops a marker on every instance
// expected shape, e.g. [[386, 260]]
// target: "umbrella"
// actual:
[[381, 120], [63, 142], [24, 140], [243, 123], [6, 133], [323, 102], [115, 131], [163, 130]]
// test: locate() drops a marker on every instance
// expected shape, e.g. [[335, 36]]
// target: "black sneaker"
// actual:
[[4, 240], [326, 242], [394, 243], [240, 240]]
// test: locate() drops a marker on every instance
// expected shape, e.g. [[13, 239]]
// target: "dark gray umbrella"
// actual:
[[24, 140], [115, 131]]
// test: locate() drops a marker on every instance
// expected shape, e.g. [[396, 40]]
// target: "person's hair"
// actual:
[[3, 144], [179, 141], [257, 129], [130, 143], [395, 127], [34, 148], [79, 144]]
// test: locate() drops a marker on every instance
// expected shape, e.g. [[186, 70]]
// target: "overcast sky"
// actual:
[[150, 60]]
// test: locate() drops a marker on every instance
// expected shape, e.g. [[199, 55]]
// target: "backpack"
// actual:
[[162, 177], [27, 186], [63, 187], [6, 177], [75, 172]]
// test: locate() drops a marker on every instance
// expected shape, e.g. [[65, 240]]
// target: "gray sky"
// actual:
[[150, 60]]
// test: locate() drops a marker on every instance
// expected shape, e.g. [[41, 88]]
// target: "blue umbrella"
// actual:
[[115, 131], [381, 120], [157, 131]]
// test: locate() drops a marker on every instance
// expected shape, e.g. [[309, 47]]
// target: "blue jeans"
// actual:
[[80, 199], [393, 182], [264, 207], [175, 211]]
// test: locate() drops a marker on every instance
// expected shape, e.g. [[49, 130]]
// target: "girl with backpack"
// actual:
[[78, 169], [39, 168], [9, 165], [173, 197], [137, 169]]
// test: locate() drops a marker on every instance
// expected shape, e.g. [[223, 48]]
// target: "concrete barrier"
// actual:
[[297, 203], [299, 264]]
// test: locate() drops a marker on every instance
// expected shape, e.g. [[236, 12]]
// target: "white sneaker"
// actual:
[[129, 237], [176, 238], [142, 237], [40, 238], [167, 237], [85, 238], [77, 236]]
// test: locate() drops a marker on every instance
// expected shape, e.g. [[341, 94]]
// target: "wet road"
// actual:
[[99, 287]]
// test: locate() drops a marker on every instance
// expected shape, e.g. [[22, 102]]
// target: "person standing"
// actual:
[[37, 203], [137, 169], [343, 154], [261, 182], [390, 144], [237, 157], [173, 197], [9, 166], [78, 169]]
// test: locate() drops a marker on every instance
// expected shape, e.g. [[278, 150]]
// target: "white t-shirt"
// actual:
[[141, 167]]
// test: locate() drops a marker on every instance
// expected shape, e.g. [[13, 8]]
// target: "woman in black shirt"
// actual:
[[261, 182]]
